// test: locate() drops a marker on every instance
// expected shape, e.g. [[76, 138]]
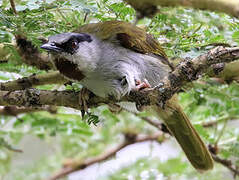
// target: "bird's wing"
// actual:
[[128, 35]]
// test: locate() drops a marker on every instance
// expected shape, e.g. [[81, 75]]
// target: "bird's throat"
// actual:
[[68, 69]]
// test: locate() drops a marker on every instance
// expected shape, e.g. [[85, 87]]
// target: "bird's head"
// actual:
[[76, 49]]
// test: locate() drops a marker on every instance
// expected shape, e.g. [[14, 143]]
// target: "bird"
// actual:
[[113, 58]]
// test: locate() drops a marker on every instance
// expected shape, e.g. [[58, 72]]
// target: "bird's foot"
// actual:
[[140, 85], [83, 98]]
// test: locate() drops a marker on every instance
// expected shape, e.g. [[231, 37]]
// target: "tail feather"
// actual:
[[191, 143]]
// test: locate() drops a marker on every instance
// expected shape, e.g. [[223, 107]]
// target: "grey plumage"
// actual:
[[106, 65], [115, 63]]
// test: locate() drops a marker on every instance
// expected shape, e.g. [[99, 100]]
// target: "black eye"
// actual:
[[74, 44]]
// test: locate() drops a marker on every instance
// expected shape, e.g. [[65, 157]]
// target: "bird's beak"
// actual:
[[51, 47]]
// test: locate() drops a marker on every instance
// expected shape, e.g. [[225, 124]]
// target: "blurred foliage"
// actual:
[[182, 32], [175, 168]]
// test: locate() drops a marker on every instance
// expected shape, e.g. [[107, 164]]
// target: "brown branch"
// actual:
[[13, 6], [14, 110], [226, 163], [129, 139], [31, 55], [187, 71], [74, 165], [14, 149], [34, 98], [149, 7], [33, 80]]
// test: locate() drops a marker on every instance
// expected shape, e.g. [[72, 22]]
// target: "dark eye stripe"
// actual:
[[69, 46], [70, 43], [83, 37]]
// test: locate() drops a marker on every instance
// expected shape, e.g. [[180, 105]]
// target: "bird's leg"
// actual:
[[83, 98], [140, 85]]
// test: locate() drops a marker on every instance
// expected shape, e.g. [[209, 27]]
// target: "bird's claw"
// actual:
[[83, 98], [140, 85]]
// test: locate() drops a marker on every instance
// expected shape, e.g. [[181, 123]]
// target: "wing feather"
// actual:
[[128, 35]]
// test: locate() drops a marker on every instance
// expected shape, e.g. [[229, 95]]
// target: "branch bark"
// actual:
[[13, 6], [186, 71], [149, 7], [34, 98], [14, 110], [33, 80], [31, 55]]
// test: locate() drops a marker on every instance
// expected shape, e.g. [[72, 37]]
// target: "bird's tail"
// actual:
[[185, 134]]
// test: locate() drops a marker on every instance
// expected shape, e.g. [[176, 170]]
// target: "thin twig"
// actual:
[[85, 17], [6, 145], [14, 149], [221, 119], [226, 163], [221, 132], [129, 139], [160, 126], [13, 6]]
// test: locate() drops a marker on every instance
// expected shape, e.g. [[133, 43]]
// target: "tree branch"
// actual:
[[34, 98], [31, 55], [219, 120], [5, 144], [75, 165], [129, 139], [149, 7], [33, 80], [14, 110], [186, 71]]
